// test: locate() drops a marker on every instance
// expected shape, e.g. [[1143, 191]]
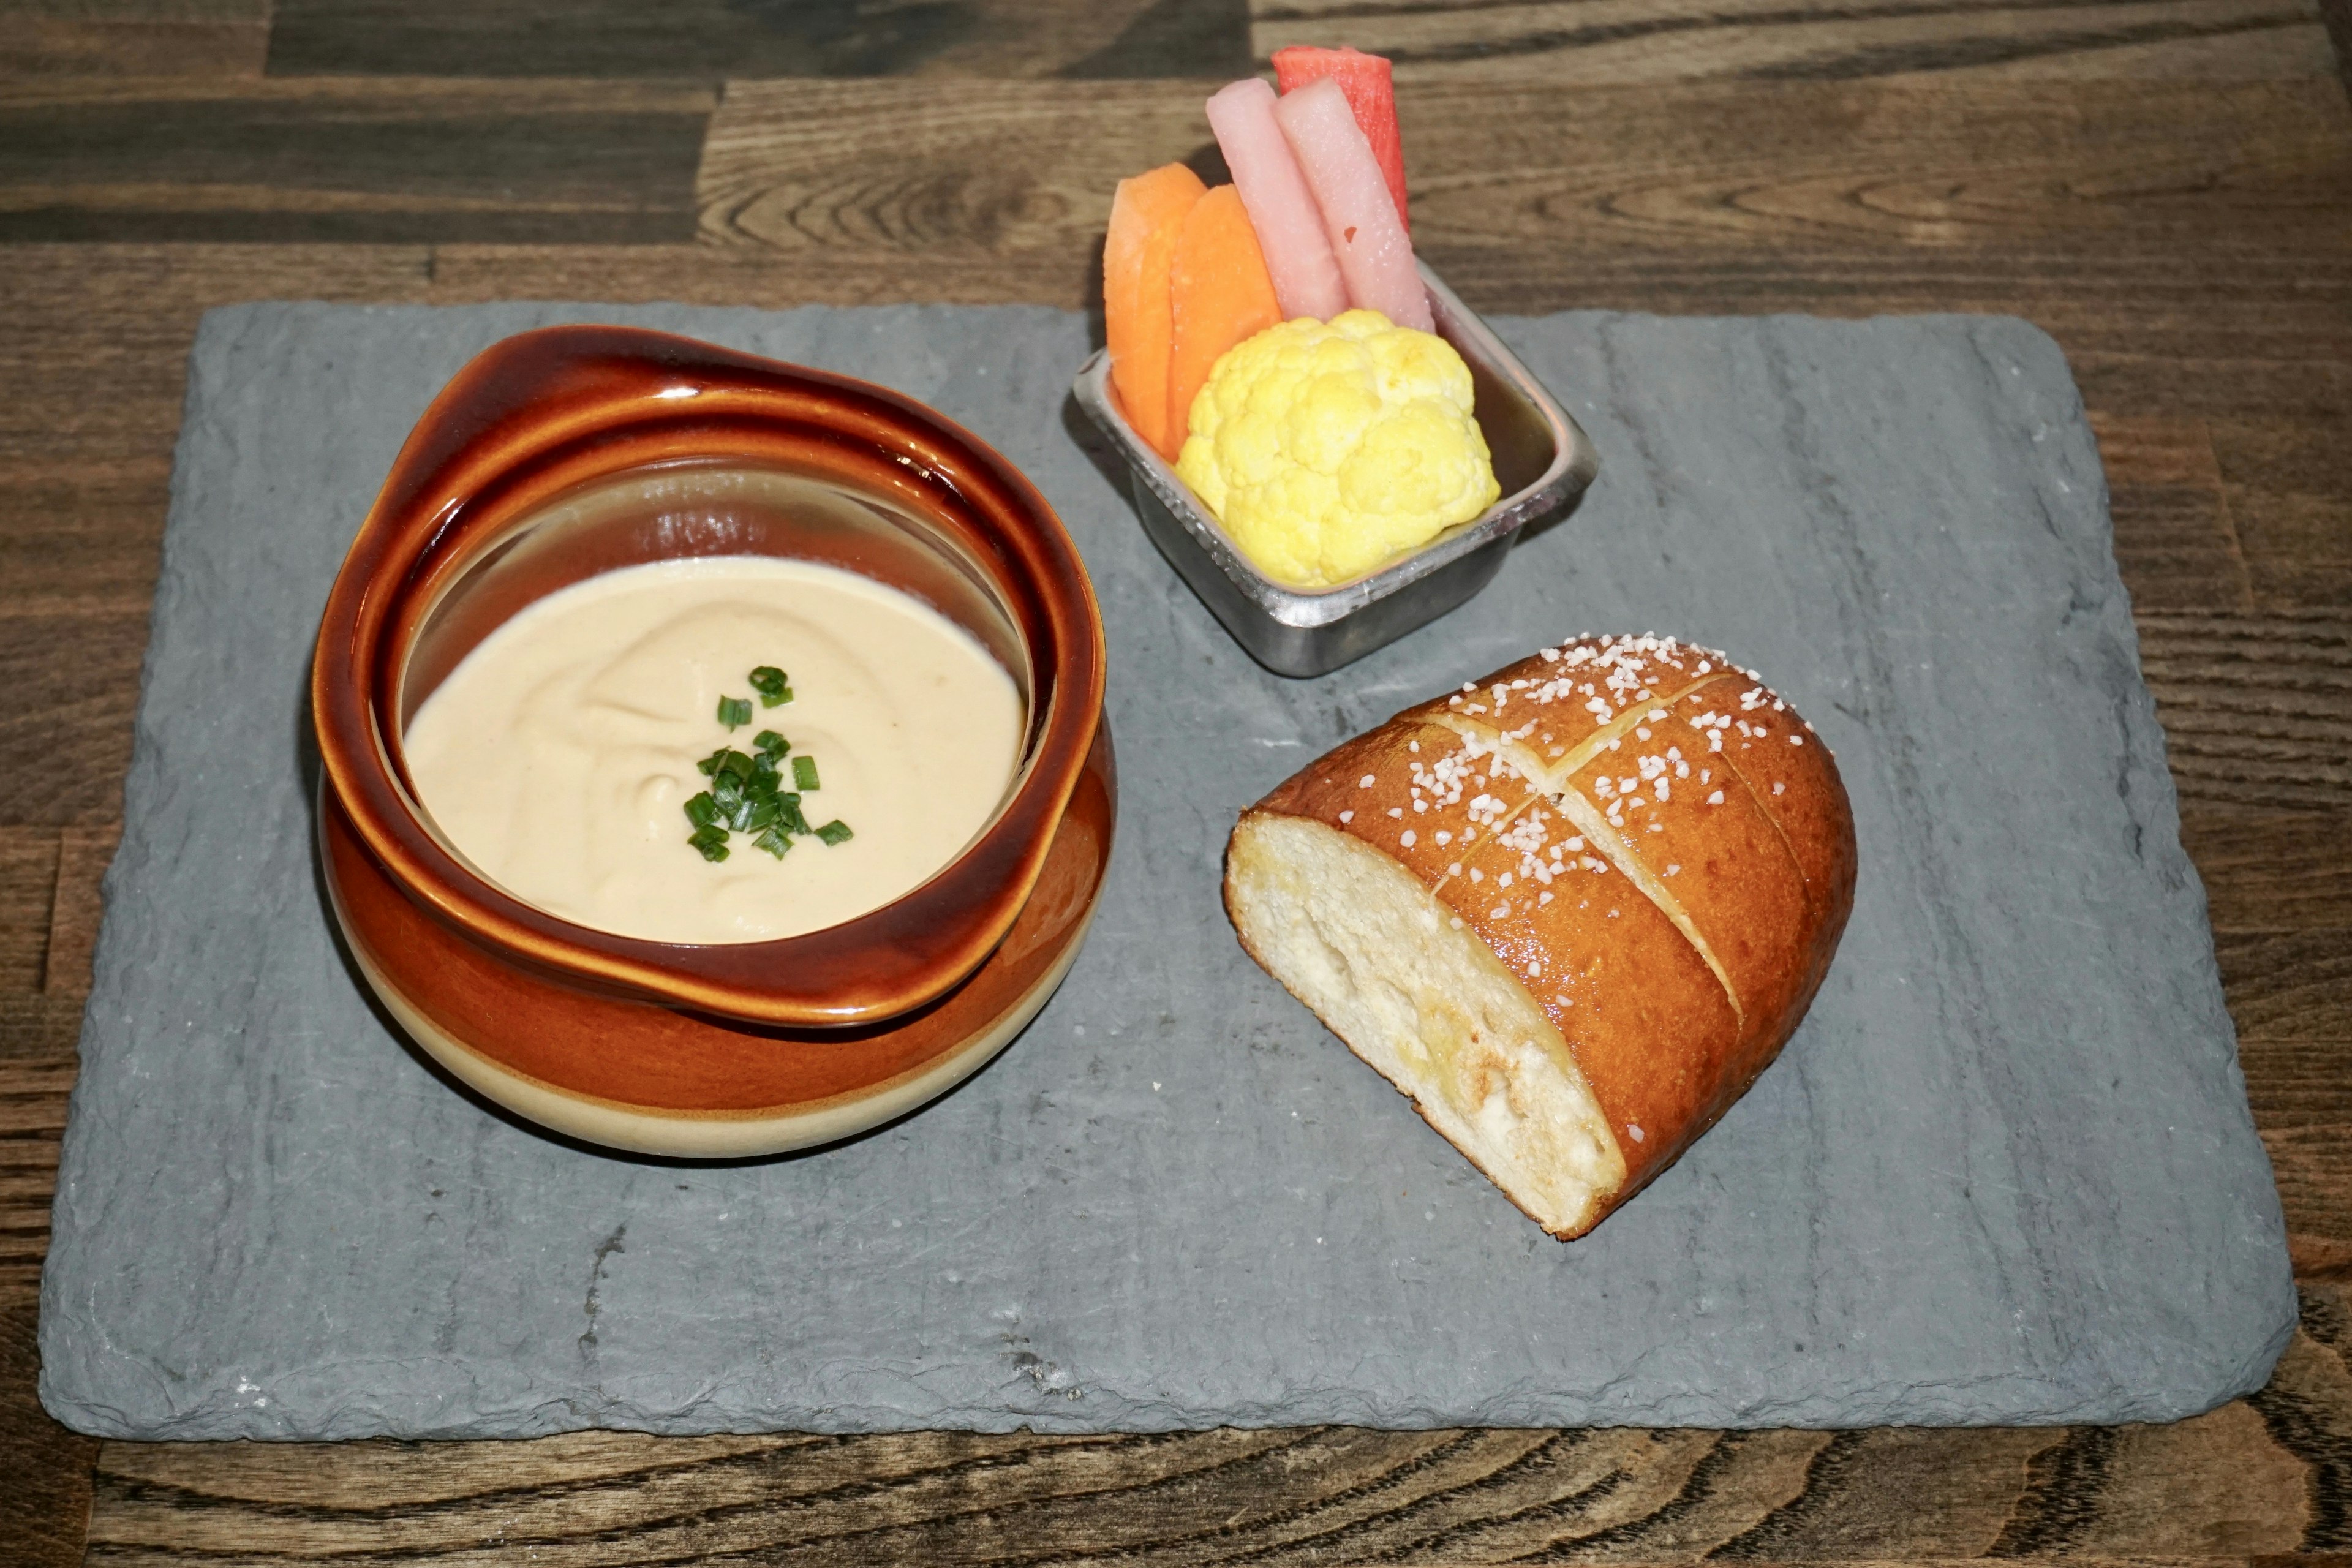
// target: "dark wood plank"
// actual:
[[758, 277], [1609, 42], [2289, 488], [349, 161], [33, 1096], [38, 1026], [72, 46], [2257, 710], [38, 1029], [72, 679], [92, 372], [2307, 1409], [1519, 167], [2302, 1101], [76, 908], [2175, 542], [1173, 38], [1891, 166], [2289, 985], [2338, 14], [2271, 870], [45, 1499], [29, 877], [711, 39], [91, 383], [77, 553]]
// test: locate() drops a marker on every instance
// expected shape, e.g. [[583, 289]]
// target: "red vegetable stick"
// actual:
[[1146, 215], [1371, 96]]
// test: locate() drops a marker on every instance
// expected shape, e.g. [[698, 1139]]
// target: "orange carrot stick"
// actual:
[[1219, 293], [1145, 217]]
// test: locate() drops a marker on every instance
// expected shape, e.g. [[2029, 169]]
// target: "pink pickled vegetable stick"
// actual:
[[1369, 83], [1306, 280], [1359, 217]]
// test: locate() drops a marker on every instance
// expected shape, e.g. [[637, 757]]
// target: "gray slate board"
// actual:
[[2004, 1173]]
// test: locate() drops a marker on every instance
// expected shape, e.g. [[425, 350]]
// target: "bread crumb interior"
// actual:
[[1425, 1002]]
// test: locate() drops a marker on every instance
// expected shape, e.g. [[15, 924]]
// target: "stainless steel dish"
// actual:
[[1542, 460]]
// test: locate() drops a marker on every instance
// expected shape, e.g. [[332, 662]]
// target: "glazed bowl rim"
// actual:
[[570, 393]]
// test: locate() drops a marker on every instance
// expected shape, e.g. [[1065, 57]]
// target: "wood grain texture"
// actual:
[[712, 39], [796, 167], [72, 47], [45, 1470], [2286, 481], [2338, 14], [2271, 870], [2176, 544], [33, 1097], [2303, 1105], [29, 877], [1519, 167], [92, 368], [2257, 710], [2248, 1479], [1601, 43], [2182, 239], [75, 909], [348, 161]]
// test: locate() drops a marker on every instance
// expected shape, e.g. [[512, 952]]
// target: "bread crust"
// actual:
[[1656, 846]]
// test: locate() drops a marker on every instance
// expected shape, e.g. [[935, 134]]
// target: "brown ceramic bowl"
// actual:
[[560, 454]]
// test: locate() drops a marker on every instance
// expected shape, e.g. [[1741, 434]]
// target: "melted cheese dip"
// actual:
[[559, 756]]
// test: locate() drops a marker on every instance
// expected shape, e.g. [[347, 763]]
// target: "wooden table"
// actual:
[[2165, 185]]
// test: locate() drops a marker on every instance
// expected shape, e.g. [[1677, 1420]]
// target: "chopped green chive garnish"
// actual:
[[747, 793]]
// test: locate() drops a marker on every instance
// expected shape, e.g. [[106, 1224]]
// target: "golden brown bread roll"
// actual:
[[1571, 910]]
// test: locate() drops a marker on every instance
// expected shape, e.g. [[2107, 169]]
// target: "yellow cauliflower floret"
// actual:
[[1327, 448]]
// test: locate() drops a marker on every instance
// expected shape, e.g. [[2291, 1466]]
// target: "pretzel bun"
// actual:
[[1571, 910]]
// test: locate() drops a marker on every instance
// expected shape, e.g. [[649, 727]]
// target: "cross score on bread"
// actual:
[[1572, 911]]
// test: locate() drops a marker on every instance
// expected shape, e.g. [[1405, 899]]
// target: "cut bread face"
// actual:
[[1393, 973], [1572, 910]]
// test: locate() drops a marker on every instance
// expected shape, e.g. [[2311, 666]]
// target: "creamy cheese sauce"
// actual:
[[558, 754]]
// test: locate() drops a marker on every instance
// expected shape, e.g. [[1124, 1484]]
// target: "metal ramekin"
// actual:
[[1542, 457]]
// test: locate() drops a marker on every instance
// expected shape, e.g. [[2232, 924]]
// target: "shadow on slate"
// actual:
[[2004, 1173]]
